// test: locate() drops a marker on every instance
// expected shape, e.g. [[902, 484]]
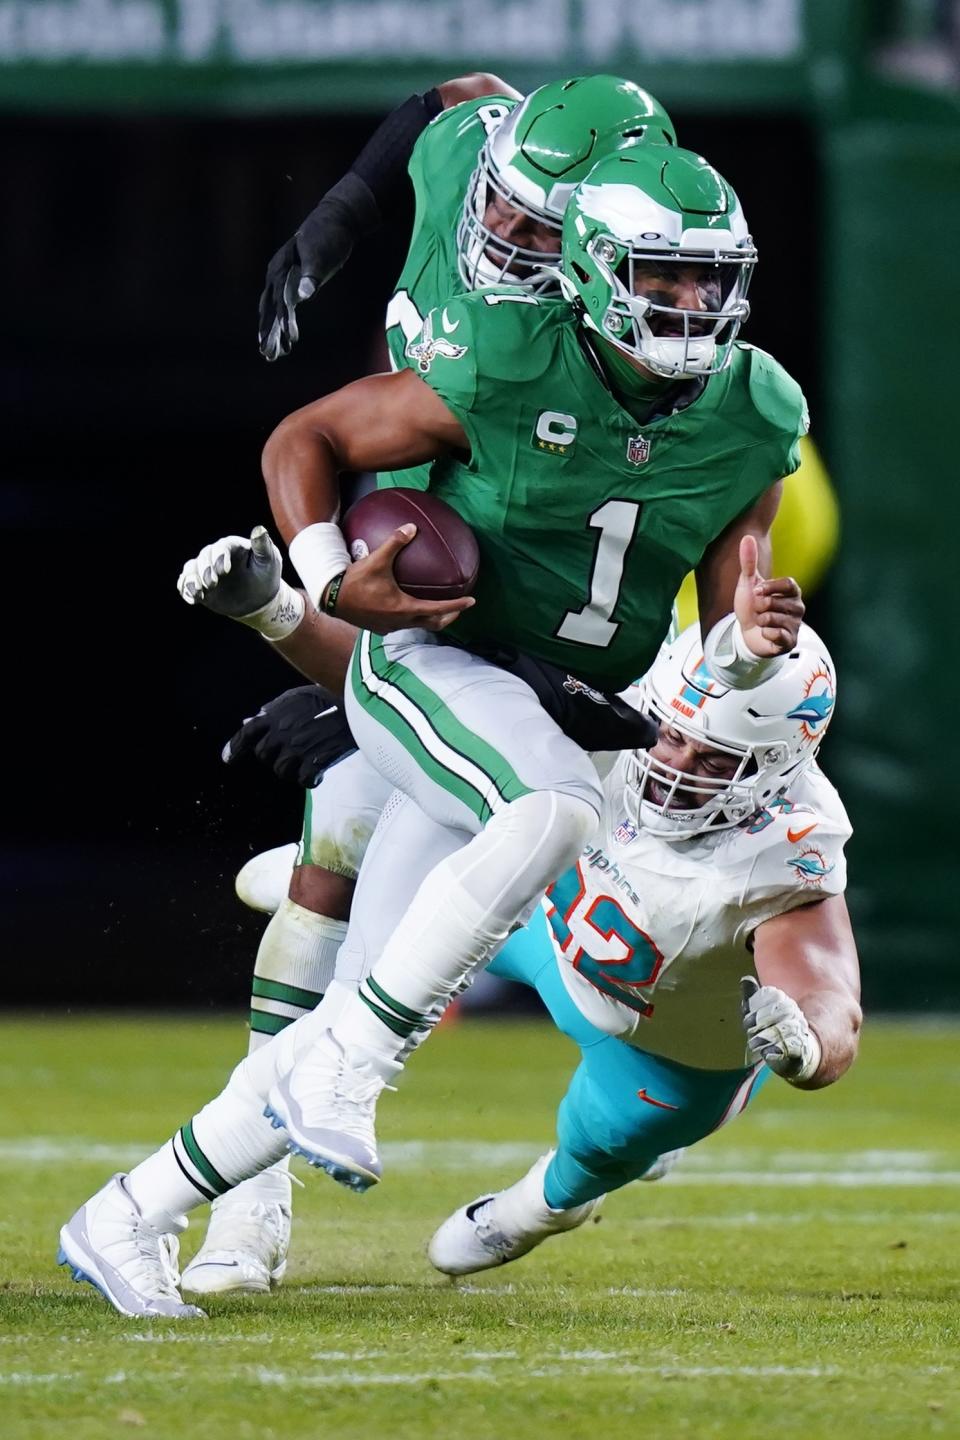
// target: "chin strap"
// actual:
[[731, 661]]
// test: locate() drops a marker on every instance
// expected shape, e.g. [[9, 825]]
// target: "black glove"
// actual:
[[299, 735], [311, 257], [592, 720], [355, 207]]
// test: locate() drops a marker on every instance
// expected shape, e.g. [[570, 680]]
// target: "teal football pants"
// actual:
[[623, 1107]]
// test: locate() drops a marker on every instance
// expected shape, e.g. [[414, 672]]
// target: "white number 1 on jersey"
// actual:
[[591, 624]]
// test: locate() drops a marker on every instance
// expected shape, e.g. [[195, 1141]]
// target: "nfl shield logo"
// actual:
[[625, 832], [638, 449]]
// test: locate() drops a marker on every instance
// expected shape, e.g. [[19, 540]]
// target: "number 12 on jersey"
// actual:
[[598, 938], [592, 624]]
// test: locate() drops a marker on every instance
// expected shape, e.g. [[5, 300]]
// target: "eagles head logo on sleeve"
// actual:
[[426, 349]]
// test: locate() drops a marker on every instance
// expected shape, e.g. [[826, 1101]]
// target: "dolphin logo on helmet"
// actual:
[[756, 728]]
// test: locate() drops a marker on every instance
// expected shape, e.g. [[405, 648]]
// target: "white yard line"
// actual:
[[564, 1368], [747, 1167], [828, 1179]]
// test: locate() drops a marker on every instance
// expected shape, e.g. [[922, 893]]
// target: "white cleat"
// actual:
[[265, 879], [133, 1263], [663, 1164], [499, 1228], [327, 1105], [246, 1247]]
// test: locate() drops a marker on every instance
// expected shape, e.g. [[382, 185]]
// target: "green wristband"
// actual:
[[333, 591]]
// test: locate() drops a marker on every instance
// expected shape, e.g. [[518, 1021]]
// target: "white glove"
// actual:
[[777, 1031], [241, 579]]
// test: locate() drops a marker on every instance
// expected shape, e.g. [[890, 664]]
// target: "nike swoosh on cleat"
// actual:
[[794, 835]]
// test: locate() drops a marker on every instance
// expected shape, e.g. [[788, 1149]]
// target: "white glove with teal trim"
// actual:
[[777, 1032]]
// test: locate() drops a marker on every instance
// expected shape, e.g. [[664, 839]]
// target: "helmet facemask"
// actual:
[[484, 258], [669, 341], [722, 802], [649, 228], [533, 160], [770, 733]]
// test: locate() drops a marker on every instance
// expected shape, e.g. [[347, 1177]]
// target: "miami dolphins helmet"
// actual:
[[771, 732], [638, 216], [535, 158]]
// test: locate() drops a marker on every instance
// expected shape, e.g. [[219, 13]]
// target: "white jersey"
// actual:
[[653, 937]]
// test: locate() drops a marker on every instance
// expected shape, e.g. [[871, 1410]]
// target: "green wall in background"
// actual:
[[892, 418]]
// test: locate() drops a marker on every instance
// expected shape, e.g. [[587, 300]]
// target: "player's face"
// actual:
[[693, 758], [681, 287], [515, 227]]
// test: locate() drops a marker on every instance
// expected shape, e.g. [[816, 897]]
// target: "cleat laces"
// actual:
[[351, 1091], [157, 1272]]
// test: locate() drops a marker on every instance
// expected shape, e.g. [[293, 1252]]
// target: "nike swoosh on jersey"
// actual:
[[794, 835], [660, 1104], [450, 329]]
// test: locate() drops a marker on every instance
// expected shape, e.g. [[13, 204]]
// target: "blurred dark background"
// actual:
[[134, 406]]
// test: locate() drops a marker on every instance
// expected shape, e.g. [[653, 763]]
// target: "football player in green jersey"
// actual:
[[600, 446], [491, 175], [489, 197]]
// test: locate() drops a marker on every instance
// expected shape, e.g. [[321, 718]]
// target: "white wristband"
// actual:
[[318, 553], [280, 616], [731, 661], [811, 1062]]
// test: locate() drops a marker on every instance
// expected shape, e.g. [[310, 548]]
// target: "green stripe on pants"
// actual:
[[432, 722]]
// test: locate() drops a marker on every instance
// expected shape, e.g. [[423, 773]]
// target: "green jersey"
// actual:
[[586, 521], [443, 160]]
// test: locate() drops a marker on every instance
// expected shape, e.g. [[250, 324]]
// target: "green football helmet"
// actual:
[[637, 217], [533, 160]]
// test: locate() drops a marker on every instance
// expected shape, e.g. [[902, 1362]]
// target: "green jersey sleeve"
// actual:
[[479, 352], [446, 154], [781, 410], [441, 166], [444, 355]]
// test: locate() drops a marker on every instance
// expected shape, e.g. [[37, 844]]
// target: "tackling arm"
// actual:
[[353, 208], [474, 87], [320, 648], [242, 580], [384, 422], [808, 956]]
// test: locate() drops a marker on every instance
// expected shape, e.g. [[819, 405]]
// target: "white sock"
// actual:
[[295, 965], [226, 1142], [464, 908]]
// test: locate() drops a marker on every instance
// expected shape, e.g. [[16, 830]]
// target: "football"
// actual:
[[442, 560]]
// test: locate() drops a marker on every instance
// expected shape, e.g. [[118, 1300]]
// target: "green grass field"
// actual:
[[798, 1277]]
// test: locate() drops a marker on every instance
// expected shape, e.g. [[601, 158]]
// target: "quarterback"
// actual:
[[600, 446], [700, 941], [475, 156]]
